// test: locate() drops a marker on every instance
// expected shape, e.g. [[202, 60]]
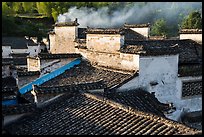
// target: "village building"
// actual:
[[194, 34], [119, 83]]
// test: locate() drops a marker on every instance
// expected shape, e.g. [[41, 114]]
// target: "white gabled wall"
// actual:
[[162, 70], [6, 50], [143, 31], [195, 37]]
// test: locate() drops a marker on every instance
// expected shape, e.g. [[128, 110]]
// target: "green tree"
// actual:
[[54, 14], [192, 21], [29, 6], [44, 8], [6, 9], [159, 28], [18, 7]]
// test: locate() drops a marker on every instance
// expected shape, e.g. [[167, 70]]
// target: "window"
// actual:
[[35, 50]]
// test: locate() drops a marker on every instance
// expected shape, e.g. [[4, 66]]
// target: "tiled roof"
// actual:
[[140, 100], [28, 73], [132, 35], [9, 93], [192, 88], [61, 24], [85, 72], [136, 25], [150, 48], [190, 70], [8, 82], [15, 61], [83, 114], [104, 31], [14, 55], [17, 42], [19, 109], [189, 50], [191, 31], [57, 56]]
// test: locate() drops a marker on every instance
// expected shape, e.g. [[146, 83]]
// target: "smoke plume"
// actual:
[[170, 11]]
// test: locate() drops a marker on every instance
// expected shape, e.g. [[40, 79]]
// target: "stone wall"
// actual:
[[63, 41], [109, 43], [128, 62], [195, 37]]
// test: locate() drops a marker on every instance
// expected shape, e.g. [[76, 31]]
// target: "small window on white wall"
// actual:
[[35, 50]]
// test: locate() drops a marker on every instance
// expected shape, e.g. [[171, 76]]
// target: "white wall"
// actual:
[[160, 69], [19, 50], [130, 61], [6, 51], [33, 50], [143, 31], [195, 37]]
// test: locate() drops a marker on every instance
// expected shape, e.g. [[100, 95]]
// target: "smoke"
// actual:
[[134, 13]]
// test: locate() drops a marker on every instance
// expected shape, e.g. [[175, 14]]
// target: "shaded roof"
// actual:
[[15, 55], [9, 88], [62, 24], [192, 88], [8, 82], [58, 56], [150, 47], [140, 100], [190, 70], [15, 61], [27, 73], [83, 114], [17, 42], [189, 50], [104, 31], [136, 25], [19, 109], [9, 93], [191, 31], [85, 72]]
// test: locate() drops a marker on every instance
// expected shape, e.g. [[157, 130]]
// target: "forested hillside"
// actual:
[[36, 18]]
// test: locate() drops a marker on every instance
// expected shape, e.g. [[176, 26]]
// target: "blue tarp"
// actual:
[[49, 76]]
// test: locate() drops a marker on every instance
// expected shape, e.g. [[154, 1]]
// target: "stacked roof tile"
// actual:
[[57, 56], [82, 114], [192, 88], [85, 72], [104, 31], [190, 70], [191, 31], [140, 100], [188, 49]]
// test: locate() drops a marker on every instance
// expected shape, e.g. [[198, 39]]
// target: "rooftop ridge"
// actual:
[[136, 25], [131, 110], [190, 31]]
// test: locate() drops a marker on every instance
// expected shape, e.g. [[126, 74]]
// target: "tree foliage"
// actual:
[[159, 28], [192, 21]]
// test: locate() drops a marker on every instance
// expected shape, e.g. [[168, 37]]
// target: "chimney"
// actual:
[[33, 92]]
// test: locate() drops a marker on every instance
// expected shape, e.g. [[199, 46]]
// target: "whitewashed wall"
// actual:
[[6, 51], [63, 39], [160, 69], [109, 43], [195, 37], [143, 31], [33, 50], [19, 50]]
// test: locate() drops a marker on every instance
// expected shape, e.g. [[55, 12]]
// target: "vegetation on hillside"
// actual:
[[17, 17]]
